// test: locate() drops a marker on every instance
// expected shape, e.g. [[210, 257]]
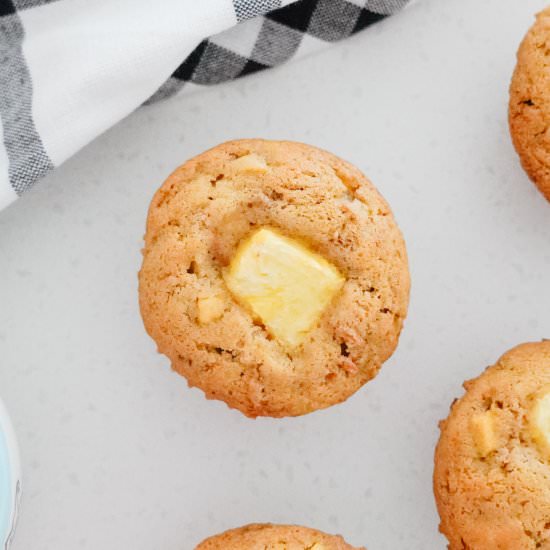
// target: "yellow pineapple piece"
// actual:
[[209, 309], [250, 163], [483, 432], [539, 421], [286, 285]]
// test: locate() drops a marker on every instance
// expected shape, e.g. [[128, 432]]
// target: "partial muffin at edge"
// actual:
[[267, 536], [529, 107], [492, 467]]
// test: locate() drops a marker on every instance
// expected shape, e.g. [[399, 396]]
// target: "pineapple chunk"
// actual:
[[317, 546], [250, 163], [209, 309], [483, 432], [283, 283], [539, 421]]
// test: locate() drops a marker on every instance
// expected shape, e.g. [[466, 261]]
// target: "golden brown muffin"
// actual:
[[267, 536], [529, 109], [274, 276], [492, 462]]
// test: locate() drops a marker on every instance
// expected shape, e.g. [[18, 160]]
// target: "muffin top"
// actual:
[[274, 276], [529, 109], [274, 537], [492, 463]]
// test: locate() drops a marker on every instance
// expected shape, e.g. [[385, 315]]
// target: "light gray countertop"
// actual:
[[119, 454]]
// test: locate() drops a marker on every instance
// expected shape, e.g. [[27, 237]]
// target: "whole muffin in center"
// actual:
[[274, 276]]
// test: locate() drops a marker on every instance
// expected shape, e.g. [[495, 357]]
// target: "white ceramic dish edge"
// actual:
[[10, 479]]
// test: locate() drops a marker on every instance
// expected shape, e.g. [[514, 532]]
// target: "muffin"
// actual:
[[529, 108], [274, 537], [274, 276], [492, 462]]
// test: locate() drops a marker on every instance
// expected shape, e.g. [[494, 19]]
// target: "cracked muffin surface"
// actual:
[[529, 108], [492, 462], [274, 276], [275, 537]]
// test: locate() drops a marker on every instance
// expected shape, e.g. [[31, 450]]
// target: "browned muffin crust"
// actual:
[[492, 476], [529, 108], [197, 220], [267, 536]]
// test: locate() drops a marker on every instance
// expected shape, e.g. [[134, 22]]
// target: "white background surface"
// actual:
[[118, 454]]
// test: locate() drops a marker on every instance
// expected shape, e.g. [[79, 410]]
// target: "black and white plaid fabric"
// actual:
[[70, 69]]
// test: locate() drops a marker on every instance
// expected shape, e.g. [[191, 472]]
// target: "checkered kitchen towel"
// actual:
[[70, 69]]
